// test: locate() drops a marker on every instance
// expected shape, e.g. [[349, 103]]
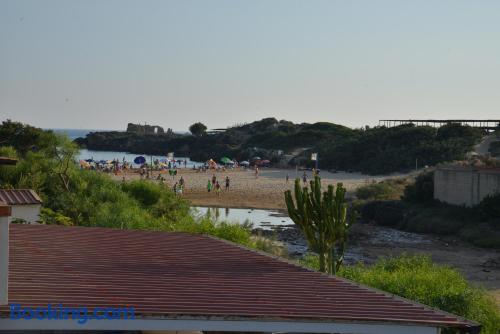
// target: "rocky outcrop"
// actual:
[[145, 129]]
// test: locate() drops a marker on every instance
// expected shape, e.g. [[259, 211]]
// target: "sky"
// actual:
[[99, 64]]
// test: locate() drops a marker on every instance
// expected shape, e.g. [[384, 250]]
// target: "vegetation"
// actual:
[[495, 149], [390, 189], [370, 150], [422, 190], [417, 211], [198, 129], [418, 278], [78, 197], [322, 217]]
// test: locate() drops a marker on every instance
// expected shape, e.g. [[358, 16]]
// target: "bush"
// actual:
[[233, 232], [417, 278], [145, 192], [490, 205], [422, 190], [49, 217], [386, 213], [378, 191]]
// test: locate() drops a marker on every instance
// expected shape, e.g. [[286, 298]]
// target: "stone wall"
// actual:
[[465, 185]]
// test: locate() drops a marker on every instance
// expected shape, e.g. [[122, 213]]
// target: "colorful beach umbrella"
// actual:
[[139, 160]]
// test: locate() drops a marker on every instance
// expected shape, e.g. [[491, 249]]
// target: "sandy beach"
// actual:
[[248, 191]]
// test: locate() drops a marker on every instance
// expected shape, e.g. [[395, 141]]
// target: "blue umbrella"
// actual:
[[140, 160]]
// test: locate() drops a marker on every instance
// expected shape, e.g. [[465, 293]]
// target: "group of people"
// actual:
[[179, 186], [213, 184]]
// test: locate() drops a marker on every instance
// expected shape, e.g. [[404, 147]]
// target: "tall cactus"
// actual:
[[322, 217]]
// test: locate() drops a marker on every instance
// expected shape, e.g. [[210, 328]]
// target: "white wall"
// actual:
[[30, 213], [465, 187]]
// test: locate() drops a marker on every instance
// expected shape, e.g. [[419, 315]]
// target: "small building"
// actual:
[[25, 203], [465, 185], [187, 282]]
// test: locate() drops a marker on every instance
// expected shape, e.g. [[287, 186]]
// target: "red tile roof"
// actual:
[[19, 196], [179, 274], [7, 161]]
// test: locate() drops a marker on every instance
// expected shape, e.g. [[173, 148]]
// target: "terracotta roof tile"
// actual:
[[19, 196], [180, 274]]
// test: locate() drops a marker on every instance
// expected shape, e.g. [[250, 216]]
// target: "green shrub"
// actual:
[[385, 213], [377, 191], [49, 217], [147, 193], [490, 205], [422, 190], [418, 278]]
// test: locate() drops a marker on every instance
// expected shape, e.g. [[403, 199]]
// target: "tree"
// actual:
[[323, 219], [198, 129]]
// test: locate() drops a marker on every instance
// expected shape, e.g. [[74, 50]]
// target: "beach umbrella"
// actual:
[[244, 163], [140, 160], [89, 160], [256, 158], [226, 160], [102, 162]]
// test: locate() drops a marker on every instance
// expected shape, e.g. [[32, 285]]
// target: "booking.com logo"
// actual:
[[79, 314]]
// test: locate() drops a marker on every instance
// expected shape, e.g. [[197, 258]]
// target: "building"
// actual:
[[25, 203], [465, 185], [186, 282]]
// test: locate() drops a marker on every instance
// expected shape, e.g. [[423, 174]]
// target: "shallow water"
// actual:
[[259, 218], [110, 155]]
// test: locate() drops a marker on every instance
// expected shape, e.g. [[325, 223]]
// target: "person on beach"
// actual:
[[181, 182], [304, 178], [256, 172], [217, 188], [287, 177], [174, 189], [227, 183], [214, 179], [209, 186]]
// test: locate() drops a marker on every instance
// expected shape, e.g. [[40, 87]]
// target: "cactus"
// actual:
[[322, 217]]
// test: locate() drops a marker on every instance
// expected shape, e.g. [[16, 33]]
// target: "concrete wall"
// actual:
[[464, 186], [30, 213]]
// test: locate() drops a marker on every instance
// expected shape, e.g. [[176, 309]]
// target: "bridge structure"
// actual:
[[486, 124]]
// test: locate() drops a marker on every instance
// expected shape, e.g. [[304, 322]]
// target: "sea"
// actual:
[[110, 155]]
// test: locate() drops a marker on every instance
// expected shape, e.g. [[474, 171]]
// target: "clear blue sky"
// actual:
[[101, 63]]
